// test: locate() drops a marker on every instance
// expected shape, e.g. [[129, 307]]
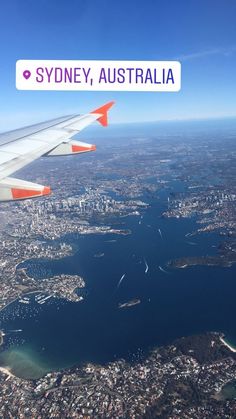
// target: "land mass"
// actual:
[[181, 380], [187, 261]]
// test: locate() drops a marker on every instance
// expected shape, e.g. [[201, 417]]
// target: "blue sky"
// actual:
[[200, 33]]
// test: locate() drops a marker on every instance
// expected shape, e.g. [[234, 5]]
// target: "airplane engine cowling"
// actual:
[[12, 189], [71, 147]]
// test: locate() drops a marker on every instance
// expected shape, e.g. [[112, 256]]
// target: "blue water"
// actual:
[[178, 303]]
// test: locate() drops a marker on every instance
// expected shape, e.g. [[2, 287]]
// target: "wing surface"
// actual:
[[52, 138]]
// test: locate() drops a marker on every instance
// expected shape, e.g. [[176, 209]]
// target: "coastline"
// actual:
[[229, 346], [7, 371]]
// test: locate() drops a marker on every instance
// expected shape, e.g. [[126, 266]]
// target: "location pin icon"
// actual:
[[26, 74]]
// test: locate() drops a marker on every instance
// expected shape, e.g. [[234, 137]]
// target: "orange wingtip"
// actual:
[[29, 193], [46, 190], [81, 149], [103, 110]]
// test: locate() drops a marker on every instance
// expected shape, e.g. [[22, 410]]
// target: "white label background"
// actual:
[[96, 65]]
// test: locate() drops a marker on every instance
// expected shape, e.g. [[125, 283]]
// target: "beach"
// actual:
[[7, 371], [227, 344]]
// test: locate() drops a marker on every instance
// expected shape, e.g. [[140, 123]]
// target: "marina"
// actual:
[[43, 300], [24, 300]]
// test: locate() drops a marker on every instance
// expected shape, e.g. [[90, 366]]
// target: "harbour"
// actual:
[[96, 329]]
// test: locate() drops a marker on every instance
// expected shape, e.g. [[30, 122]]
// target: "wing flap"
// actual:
[[71, 147], [19, 147], [6, 157]]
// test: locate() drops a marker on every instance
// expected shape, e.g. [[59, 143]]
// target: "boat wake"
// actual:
[[120, 281], [159, 230], [163, 270], [146, 266]]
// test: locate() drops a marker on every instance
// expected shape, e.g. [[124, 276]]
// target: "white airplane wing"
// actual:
[[53, 138]]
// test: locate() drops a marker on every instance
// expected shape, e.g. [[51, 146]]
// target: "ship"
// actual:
[[130, 303]]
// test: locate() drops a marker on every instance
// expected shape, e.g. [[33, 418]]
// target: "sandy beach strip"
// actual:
[[227, 344], [6, 371]]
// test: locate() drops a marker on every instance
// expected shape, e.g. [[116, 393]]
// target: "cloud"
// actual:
[[227, 52]]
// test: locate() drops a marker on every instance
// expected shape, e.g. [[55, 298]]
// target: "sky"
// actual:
[[199, 33]]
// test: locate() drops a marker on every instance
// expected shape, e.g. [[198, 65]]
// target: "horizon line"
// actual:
[[171, 120], [202, 118]]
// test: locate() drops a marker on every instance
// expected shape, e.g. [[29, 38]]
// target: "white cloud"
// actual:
[[205, 53]]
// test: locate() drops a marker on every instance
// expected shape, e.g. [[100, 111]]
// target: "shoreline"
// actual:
[[231, 348], [7, 371]]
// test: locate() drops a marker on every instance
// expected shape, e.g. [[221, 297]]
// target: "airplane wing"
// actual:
[[53, 138]]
